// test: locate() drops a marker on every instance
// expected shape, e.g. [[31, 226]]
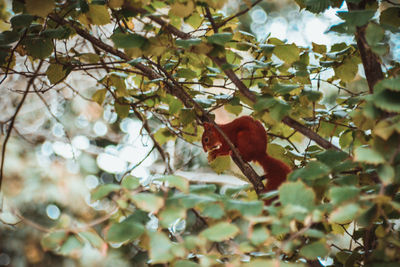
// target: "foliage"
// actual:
[[341, 133]]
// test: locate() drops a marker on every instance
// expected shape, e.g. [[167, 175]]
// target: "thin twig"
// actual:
[[12, 121]]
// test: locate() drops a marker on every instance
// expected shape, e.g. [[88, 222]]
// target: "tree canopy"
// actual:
[[79, 76]]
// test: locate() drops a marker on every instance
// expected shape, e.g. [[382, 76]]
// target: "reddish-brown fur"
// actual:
[[249, 137]]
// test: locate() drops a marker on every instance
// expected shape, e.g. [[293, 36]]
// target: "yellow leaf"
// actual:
[[39, 8], [384, 129], [98, 15], [202, 48], [130, 25], [55, 73], [220, 164], [115, 3], [216, 4], [182, 10], [337, 229], [84, 19], [89, 58], [99, 96]]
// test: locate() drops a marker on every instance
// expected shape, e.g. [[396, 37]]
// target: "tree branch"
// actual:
[[370, 61], [240, 13], [12, 120]]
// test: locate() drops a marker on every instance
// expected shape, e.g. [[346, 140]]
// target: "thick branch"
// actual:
[[370, 61]]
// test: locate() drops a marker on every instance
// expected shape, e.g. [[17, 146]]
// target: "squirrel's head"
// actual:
[[210, 139]]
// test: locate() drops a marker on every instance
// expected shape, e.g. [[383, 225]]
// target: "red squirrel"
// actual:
[[250, 138]]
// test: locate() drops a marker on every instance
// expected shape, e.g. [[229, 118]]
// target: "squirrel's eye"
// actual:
[[206, 139]]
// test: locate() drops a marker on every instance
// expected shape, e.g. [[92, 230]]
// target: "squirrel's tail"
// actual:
[[275, 170]]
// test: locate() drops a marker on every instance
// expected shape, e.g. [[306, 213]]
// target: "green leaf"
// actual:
[[94, 239], [21, 20], [380, 49], [72, 246], [221, 164], [392, 84], [220, 38], [259, 235], [203, 188], [386, 174], [125, 40], [160, 248], [8, 37], [220, 232], [104, 190], [332, 157], [391, 16], [356, 18], [312, 171], [148, 202], [191, 200], [347, 70], [374, 34], [130, 182], [288, 53], [297, 194], [186, 73], [55, 73], [39, 47], [387, 100], [127, 230], [39, 8], [171, 214], [314, 233], [314, 250], [176, 181], [98, 15], [251, 208], [368, 155], [213, 210], [270, 263], [186, 43], [317, 6], [281, 88], [312, 95], [53, 240], [264, 102], [345, 214], [185, 263], [279, 110], [341, 194], [58, 33]]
